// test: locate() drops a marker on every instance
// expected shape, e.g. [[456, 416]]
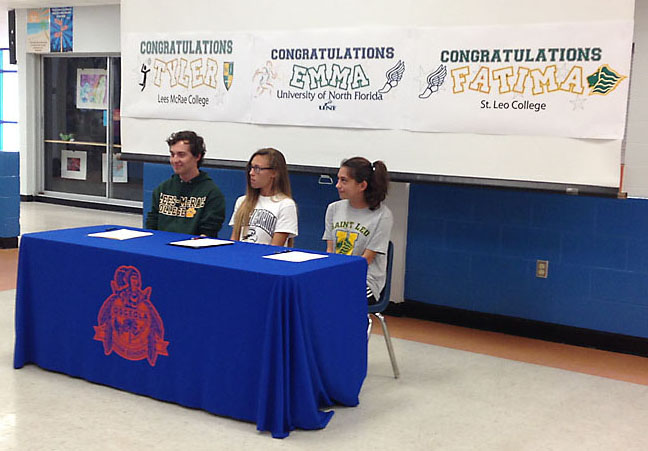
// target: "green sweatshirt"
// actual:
[[196, 207]]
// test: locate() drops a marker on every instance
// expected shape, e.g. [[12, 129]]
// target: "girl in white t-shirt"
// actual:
[[267, 214]]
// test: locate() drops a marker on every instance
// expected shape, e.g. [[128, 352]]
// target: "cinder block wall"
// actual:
[[476, 249], [9, 198]]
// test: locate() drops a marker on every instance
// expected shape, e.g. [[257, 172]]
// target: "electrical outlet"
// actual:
[[542, 268]]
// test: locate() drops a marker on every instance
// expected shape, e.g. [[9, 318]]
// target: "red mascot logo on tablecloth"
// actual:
[[128, 322]]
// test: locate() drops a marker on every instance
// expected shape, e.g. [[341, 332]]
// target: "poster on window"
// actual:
[[74, 164], [38, 30], [61, 29], [120, 170], [92, 89]]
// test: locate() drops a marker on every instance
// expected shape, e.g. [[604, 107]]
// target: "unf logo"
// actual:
[[128, 322]]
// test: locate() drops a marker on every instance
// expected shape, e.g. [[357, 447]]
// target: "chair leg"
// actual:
[[369, 326], [388, 342]]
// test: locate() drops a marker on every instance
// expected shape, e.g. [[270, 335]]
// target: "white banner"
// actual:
[[198, 76], [331, 79], [568, 80]]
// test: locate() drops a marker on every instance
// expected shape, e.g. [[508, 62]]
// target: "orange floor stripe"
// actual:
[[612, 365], [8, 268]]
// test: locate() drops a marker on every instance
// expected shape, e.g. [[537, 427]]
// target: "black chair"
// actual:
[[377, 309]]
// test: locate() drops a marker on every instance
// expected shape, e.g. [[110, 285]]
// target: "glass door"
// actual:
[[81, 131]]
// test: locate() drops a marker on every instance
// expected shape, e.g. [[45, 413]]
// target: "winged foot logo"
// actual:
[[128, 322]]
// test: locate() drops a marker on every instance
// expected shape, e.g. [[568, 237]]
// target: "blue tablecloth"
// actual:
[[220, 329]]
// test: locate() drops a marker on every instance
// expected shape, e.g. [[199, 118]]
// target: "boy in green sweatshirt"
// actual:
[[188, 202]]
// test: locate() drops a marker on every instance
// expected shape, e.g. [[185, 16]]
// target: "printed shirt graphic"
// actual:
[[354, 230], [271, 214], [182, 206], [345, 242], [128, 322]]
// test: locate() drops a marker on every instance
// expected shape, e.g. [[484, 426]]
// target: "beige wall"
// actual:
[[636, 148]]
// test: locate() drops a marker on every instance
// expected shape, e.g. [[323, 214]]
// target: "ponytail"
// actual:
[[376, 176]]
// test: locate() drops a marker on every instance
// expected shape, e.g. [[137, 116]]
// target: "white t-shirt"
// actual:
[[353, 230], [271, 214]]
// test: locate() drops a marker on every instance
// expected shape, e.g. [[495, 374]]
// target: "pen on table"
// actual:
[[110, 229], [198, 237], [283, 252]]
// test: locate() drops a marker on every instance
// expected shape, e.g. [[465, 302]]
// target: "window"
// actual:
[[81, 131], [9, 102]]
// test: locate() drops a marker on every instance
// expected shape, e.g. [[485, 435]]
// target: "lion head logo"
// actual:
[[128, 322]]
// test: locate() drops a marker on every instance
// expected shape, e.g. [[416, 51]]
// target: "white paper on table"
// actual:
[[294, 256], [201, 242], [120, 234]]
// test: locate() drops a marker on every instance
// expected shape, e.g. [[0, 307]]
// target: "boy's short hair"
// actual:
[[196, 143]]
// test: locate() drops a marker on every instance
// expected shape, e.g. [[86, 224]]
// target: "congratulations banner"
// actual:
[[561, 79], [557, 79], [197, 76], [331, 79]]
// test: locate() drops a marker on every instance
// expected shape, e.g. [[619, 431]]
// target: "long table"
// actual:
[[220, 329]]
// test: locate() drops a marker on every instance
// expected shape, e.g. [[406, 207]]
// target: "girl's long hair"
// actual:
[[280, 188], [376, 176]]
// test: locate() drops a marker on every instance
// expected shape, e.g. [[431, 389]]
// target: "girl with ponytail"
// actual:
[[359, 224]]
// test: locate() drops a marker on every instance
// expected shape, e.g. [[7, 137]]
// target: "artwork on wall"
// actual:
[[50, 30], [120, 170], [92, 89], [38, 30], [61, 29], [73, 164]]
